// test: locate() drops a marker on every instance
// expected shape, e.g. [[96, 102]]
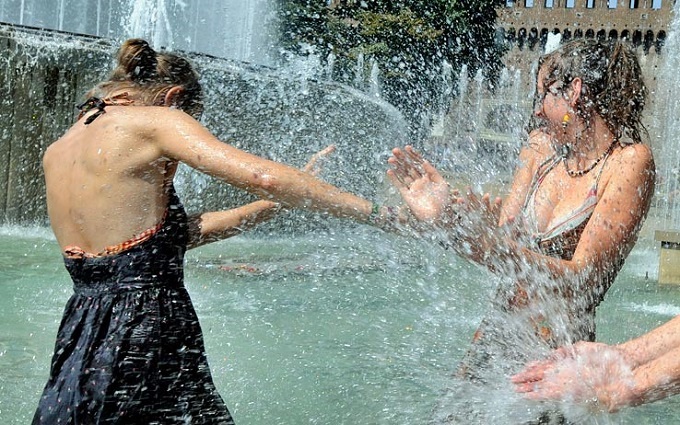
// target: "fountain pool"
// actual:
[[353, 327], [345, 326]]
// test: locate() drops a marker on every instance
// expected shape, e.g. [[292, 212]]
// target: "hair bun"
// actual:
[[136, 61]]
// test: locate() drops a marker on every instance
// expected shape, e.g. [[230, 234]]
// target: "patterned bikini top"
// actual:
[[562, 234]]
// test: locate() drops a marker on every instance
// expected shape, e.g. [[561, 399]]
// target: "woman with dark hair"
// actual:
[[129, 348], [578, 199]]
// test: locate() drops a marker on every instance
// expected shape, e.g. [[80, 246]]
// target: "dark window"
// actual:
[[637, 38], [590, 4], [532, 38], [648, 41], [543, 37], [660, 41], [566, 35], [634, 4]]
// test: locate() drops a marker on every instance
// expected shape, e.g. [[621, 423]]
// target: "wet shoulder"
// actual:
[[634, 157], [537, 149], [631, 166]]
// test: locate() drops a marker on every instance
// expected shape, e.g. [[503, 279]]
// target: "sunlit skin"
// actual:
[[116, 168], [651, 371], [624, 194], [626, 187]]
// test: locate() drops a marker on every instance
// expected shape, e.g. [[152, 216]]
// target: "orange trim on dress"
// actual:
[[76, 252]]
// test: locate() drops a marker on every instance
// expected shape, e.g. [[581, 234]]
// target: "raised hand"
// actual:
[[477, 230], [312, 167], [421, 186]]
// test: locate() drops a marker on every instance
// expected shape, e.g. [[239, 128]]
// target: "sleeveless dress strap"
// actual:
[[99, 104], [576, 219]]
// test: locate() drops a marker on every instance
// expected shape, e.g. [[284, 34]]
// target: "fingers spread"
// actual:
[[407, 165], [396, 180]]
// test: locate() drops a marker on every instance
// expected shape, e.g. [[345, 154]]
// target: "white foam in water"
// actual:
[[663, 309], [25, 232]]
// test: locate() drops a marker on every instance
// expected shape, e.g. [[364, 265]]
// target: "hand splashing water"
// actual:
[[587, 380]]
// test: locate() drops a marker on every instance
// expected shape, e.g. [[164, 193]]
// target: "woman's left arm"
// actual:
[[217, 225]]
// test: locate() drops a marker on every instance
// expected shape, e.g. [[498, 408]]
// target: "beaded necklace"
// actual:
[[579, 173]]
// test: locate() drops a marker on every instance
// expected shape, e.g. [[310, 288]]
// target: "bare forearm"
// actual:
[[653, 344], [657, 379], [296, 189], [310, 193], [218, 225], [511, 256], [189, 142]]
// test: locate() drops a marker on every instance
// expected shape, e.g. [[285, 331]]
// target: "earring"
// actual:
[[565, 121]]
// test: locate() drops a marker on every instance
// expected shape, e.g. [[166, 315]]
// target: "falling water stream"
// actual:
[[232, 29], [348, 325]]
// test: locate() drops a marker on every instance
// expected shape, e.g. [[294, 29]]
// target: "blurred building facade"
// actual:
[[492, 124], [527, 26]]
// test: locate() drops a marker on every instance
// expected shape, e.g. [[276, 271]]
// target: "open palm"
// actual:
[[421, 186]]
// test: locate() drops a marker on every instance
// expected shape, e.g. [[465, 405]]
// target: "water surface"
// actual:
[[354, 327]]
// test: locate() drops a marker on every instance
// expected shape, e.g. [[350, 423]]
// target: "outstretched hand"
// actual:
[[421, 186], [588, 373], [313, 167], [488, 212], [485, 242]]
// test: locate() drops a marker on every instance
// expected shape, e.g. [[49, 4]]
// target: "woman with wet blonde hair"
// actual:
[[130, 349]]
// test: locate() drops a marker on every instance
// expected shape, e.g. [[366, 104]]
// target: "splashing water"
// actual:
[[347, 327], [149, 19], [233, 29], [668, 126]]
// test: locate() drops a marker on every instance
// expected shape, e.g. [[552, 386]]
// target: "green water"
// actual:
[[356, 327]]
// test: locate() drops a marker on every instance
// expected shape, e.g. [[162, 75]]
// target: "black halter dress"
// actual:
[[130, 348]]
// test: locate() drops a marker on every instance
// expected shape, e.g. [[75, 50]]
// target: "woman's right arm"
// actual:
[[430, 198], [179, 137], [654, 380], [655, 360], [653, 344], [217, 225], [639, 371], [538, 147]]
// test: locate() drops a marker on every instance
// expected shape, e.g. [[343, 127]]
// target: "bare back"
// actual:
[[105, 182]]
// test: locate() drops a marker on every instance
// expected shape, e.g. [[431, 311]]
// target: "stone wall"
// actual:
[[41, 78], [529, 21]]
